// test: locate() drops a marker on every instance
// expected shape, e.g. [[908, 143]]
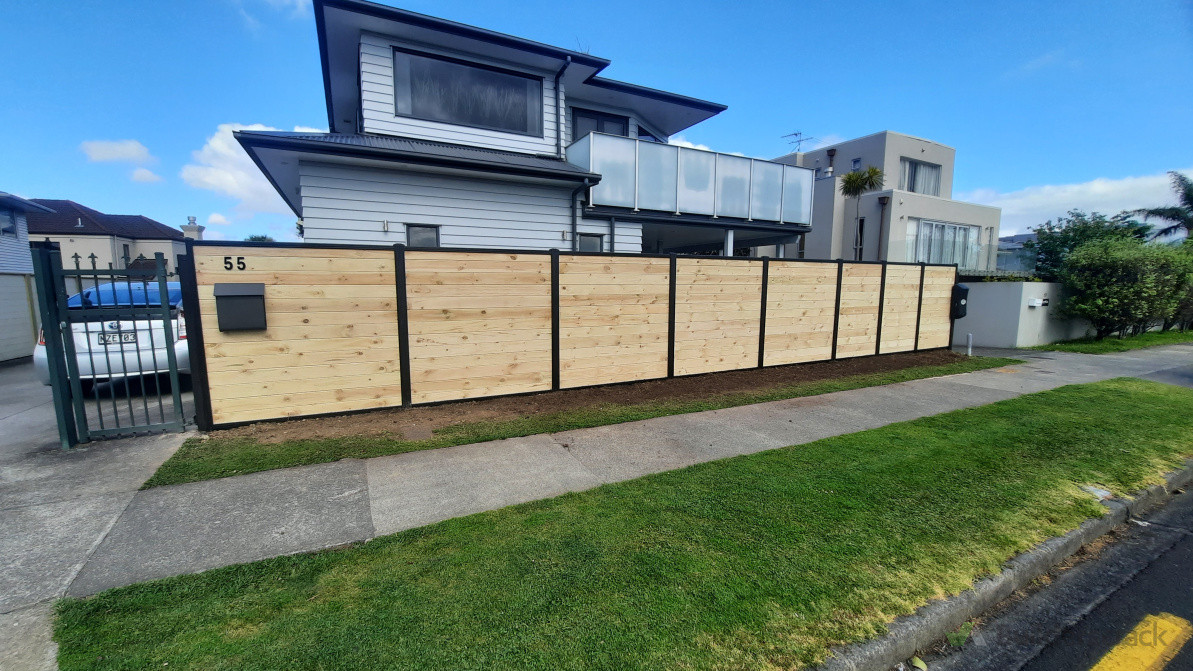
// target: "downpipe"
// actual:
[[576, 214]]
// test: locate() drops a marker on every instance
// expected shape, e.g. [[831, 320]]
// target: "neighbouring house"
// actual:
[[18, 295], [1014, 256], [443, 134], [912, 218], [115, 239]]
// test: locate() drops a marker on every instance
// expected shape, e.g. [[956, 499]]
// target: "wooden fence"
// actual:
[[352, 328]]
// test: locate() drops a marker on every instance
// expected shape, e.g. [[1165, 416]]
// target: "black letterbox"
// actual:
[[240, 307], [960, 301]]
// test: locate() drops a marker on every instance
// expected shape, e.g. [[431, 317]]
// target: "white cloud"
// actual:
[[297, 8], [1056, 59], [145, 175], [827, 141], [309, 129], [123, 151], [1031, 207], [214, 235], [679, 141], [222, 166], [217, 219]]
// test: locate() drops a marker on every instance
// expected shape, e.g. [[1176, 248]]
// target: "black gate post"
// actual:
[[51, 328], [200, 387]]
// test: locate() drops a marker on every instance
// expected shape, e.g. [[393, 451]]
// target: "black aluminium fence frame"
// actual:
[[202, 390]]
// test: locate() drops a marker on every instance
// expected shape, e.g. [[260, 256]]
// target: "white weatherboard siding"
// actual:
[[17, 326], [377, 106], [14, 252], [344, 204]]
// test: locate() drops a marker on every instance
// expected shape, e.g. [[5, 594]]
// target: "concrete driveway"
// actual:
[[55, 507]]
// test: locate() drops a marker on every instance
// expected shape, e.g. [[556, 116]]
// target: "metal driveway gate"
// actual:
[[109, 337]]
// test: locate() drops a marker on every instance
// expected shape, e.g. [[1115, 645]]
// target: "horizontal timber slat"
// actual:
[[480, 323]]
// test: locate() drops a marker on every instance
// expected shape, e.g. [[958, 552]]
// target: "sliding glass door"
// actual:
[[940, 242]]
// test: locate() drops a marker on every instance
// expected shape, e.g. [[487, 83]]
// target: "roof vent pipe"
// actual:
[[832, 153]]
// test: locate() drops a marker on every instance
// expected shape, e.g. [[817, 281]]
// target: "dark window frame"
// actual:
[[10, 226], [479, 66], [602, 116], [581, 237], [438, 241], [859, 239]]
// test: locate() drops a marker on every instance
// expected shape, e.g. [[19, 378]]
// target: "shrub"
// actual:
[[1124, 286], [1055, 241]]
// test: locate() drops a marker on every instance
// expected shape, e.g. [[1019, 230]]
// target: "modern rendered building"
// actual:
[[443, 134], [913, 217]]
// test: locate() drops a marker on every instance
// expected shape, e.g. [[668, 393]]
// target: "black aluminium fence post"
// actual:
[[881, 304], [46, 300], [403, 322], [671, 318], [837, 307], [952, 321], [762, 312], [554, 319], [200, 385], [919, 307]]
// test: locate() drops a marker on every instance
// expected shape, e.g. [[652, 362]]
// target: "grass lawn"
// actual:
[[201, 459], [755, 562], [1115, 344]]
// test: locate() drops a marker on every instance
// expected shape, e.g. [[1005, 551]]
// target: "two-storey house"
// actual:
[[443, 134], [913, 217]]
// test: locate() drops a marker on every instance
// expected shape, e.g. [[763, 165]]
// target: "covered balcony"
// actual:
[[686, 183]]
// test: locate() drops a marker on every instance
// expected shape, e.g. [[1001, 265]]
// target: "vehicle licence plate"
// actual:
[[118, 337]]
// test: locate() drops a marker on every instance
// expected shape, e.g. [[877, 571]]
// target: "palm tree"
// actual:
[[1180, 216], [854, 184]]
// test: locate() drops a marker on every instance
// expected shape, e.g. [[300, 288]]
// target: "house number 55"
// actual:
[[228, 263]]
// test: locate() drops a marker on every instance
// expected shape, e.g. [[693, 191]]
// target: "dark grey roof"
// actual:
[[20, 204], [66, 217], [418, 151]]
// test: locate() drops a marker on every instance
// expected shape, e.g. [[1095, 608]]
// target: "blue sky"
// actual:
[[126, 106]]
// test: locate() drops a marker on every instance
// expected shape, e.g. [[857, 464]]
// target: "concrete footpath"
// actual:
[[74, 523]]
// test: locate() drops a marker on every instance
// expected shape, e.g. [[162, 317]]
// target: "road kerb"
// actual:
[[932, 622]]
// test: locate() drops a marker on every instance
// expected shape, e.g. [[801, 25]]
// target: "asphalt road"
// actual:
[[1164, 586]]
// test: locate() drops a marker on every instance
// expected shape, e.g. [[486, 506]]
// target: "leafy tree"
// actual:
[[1180, 216], [1124, 286], [259, 238], [1054, 241], [855, 183]]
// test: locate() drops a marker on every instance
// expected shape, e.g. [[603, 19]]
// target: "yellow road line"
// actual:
[[1149, 646]]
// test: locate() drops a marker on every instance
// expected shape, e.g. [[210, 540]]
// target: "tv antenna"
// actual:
[[797, 139]]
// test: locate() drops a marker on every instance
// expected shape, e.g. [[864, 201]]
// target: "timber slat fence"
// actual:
[[353, 328]]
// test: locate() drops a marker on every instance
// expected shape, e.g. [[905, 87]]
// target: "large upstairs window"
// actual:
[[589, 121], [919, 177], [442, 89]]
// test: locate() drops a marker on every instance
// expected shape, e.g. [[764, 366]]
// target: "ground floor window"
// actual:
[[942, 242], [591, 242], [422, 236]]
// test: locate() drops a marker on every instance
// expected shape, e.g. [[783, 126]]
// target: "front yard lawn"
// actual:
[[1114, 344], [218, 457], [760, 561]]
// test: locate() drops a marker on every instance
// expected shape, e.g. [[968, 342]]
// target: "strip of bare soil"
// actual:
[[418, 423]]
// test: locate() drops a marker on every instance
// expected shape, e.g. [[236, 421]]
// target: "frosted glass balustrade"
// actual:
[[649, 176]]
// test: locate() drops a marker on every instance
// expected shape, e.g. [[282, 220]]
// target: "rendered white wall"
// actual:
[[999, 316]]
